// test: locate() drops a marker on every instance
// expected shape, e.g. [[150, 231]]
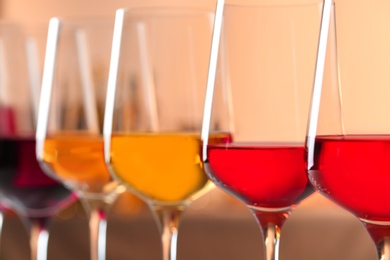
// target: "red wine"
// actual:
[[22, 182], [7, 119], [260, 175], [354, 171]]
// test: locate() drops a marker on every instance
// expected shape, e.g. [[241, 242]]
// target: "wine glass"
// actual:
[[23, 185], [259, 86], [154, 109], [348, 139], [69, 137]]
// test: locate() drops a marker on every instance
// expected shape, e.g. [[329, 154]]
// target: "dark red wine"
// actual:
[[354, 171], [260, 175], [22, 182]]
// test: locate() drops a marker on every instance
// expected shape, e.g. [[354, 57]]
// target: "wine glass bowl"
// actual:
[[348, 142], [23, 185], [62, 157], [69, 134], [224, 162], [154, 109], [166, 189], [70, 141], [259, 87]]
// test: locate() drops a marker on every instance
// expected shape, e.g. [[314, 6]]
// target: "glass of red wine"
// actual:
[[69, 133], [348, 138], [259, 86], [23, 185]]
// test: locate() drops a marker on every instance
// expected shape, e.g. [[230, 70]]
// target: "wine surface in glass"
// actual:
[[78, 160], [260, 175], [354, 171], [22, 181], [162, 167]]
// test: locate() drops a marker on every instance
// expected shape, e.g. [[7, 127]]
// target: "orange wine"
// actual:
[[165, 168], [78, 160]]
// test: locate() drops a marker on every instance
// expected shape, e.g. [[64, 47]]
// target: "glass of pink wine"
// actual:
[[154, 107], [259, 87], [348, 138], [69, 133], [35, 196]]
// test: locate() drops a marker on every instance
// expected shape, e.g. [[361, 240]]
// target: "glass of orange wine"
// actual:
[[154, 110], [69, 134]]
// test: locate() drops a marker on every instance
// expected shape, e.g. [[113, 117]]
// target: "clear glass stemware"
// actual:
[[69, 135], [259, 86], [348, 141], [154, 110], [23, 185]]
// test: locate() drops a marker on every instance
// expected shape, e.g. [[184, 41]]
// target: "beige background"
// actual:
[[317, 230], [42, 10]]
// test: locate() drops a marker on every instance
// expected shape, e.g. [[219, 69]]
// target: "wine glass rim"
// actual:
[[250, 4], [167, 10], [86, 20]]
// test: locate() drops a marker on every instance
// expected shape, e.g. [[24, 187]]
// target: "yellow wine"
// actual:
[[78, 160], [164, 168]]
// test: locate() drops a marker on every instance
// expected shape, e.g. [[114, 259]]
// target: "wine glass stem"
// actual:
[[39, 238], [271, 224], [168, 219], [2, 216], [96, 210], [383, 248], [271, 235]]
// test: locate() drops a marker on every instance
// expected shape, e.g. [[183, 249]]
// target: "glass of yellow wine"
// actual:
[[154, 109], [69, 133]]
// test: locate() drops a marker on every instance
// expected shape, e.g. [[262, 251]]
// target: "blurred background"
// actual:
[[217, 226]]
